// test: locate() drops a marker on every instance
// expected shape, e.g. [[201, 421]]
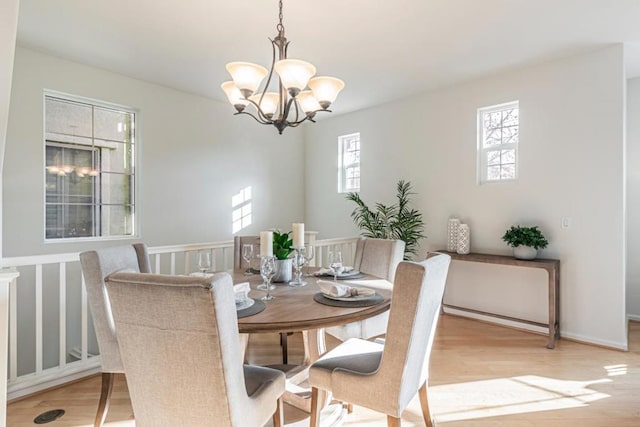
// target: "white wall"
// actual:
[[571, 165], [194, 156], [633, 198], [8, 29]]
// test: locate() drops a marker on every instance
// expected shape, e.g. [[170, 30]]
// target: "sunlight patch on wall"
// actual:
[[241, 204]]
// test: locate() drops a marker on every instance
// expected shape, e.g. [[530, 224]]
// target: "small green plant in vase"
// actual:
[[525, 241], [282, 250]]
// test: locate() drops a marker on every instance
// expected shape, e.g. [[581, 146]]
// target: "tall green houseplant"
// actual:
[[396, 221]]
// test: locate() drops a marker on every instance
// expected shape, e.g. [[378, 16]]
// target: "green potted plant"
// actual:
[[525, 241], [282, 249], [396, 221]]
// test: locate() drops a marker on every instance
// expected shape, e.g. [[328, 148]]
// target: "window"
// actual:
[[349, 163], [89, 169], [241, 204], [498, 136]]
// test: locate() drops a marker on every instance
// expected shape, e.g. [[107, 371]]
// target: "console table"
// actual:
[[552, 266]]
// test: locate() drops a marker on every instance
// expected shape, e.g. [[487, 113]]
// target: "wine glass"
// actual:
[[263, 286], [247, 255], [267, 271], [204, 261], [309, 252], [335, 263]]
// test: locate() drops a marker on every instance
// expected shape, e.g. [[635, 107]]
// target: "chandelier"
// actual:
[[291, 105]]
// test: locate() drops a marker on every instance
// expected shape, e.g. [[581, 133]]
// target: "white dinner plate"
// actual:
[[345, 274], [248, 302]]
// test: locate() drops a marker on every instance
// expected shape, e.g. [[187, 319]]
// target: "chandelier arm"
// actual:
[[254, 117], [263, 117]]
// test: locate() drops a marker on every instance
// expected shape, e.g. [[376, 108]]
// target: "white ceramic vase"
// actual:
[[464, 239], [452, 234], [525, 252]]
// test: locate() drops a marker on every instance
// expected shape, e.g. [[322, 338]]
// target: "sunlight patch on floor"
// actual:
[[614, 370], [505, 396]]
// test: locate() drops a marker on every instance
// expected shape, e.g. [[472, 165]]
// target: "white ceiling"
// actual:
[[383, 50]]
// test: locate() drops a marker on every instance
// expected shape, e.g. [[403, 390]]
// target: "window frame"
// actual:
[[135, 166], [342, 167], [482, 151]]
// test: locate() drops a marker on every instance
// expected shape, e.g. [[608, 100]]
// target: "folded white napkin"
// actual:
[[240, 291], [343, 290], [323, 271]]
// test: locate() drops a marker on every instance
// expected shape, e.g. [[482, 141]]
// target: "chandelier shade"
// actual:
[[268, 102], [308, 102], [292, 103], [294, 74], [326, 89], [246, 76], [234, 95]]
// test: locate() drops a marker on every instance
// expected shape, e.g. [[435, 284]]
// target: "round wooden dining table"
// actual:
[[295, 310]]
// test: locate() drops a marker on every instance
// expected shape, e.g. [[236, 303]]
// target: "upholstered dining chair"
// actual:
[[238, 241], [96, 265], [380, 258], [178, 337], [385, 377]]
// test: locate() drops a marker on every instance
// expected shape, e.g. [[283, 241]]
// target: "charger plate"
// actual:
[[255, 308], [348, 302]]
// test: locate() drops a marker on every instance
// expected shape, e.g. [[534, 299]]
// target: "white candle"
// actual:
[[298, 235], [266, 243]]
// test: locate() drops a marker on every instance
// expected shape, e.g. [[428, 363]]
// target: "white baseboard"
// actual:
[[634, 317], [33, 383], [538, 329], [497, 321], [595, 341]]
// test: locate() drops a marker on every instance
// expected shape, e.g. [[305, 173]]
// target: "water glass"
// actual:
[[247, 255], [268, 268]]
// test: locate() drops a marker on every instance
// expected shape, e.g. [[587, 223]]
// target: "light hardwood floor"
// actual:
[[481, 375]]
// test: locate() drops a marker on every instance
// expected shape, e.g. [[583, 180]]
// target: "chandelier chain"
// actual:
[[280, 27]]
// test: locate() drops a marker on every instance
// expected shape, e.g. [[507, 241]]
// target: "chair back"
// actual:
[[238, 241], [404, 364], [415, 308], [96, 265], [378, 257], [180, 346]]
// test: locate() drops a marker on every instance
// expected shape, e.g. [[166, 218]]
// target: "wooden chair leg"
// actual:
[[105, 398], [314, 420], [349, 408], [285, 352], [393, 421], [278, 415], [424, 403]]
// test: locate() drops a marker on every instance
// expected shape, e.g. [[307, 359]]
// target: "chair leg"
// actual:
[[349, 408], [393, 421], [424, 403], [278, 415], [105, 398], [314, 420], [283, 343]]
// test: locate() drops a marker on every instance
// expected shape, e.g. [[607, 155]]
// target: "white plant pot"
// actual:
[[525, 252], [283, 270]]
